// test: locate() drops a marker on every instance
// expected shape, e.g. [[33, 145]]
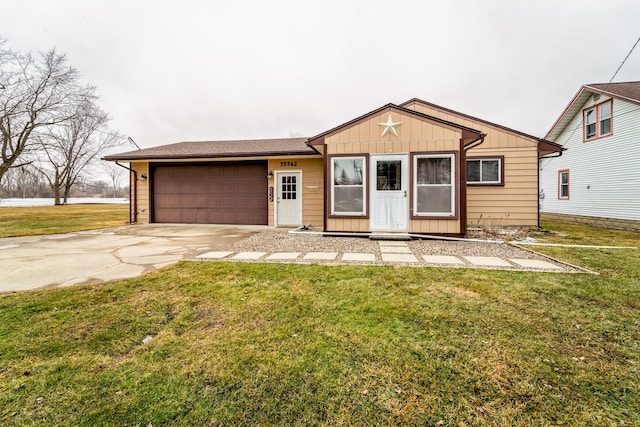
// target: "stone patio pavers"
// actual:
[[442, 259], [214, 255], [395, 249], [352, 256], [391, 257], [487, 261], [398, 252], [283, 256], [321, 256], [535, 263], [249, 255]]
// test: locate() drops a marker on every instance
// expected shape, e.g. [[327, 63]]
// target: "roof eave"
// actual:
[[209, 156], [547, 147], [467, 116], [320, 138]]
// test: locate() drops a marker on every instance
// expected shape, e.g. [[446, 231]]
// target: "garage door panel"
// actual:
[[246, 216], [211, 193]]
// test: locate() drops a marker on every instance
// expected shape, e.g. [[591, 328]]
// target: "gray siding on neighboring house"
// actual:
[[604, 173]]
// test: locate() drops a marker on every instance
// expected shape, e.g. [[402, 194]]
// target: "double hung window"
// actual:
[[563, 184], [597, 120], [434, 185], [348, 192]]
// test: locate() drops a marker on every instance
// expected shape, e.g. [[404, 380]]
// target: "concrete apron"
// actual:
[[101, 255]]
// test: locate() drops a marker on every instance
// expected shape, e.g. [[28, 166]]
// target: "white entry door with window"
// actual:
[[389, 202], [288, 198]]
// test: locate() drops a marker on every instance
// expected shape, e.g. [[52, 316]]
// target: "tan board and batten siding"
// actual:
[[515, 203], [142, 191], [414, 136], [312, 187]]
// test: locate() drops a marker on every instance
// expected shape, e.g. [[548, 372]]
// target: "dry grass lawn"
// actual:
[[270, 344]]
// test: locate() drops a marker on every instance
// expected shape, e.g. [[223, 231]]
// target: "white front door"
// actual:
[[288, 198], [389, 202]]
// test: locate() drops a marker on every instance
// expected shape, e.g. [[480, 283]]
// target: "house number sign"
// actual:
[[285, 164], [271, 194]]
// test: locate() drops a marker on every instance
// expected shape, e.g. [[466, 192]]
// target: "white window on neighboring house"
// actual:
[[604, 118], [590, 123], [484, 171], [597, 120], [348, 195], [563, 184], [434, 185]]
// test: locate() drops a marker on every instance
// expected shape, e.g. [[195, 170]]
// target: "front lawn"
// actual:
[[41, 220], [265, 344]]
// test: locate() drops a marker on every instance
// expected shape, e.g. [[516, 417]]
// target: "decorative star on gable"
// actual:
[[390, 126]]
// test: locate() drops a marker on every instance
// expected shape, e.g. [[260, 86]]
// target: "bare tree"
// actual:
[[23, 182], [114, 172], [71, 146], [34, 92]]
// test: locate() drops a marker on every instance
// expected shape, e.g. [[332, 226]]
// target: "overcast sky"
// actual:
[[170, 71]]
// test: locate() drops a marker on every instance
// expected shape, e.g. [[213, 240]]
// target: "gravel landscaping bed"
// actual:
[[281, 241]]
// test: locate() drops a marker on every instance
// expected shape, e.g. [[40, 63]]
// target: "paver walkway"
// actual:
[[391, 252]]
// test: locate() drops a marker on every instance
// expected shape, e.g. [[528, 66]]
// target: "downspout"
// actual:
[[548, 156], [463, 178], [133, 194]]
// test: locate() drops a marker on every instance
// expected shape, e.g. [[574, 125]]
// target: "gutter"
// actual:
[[475, 143], [550, 156], [133, 195]]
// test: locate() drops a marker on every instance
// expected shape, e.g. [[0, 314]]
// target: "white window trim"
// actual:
[[452, 211], [481, 182], [363, 213]]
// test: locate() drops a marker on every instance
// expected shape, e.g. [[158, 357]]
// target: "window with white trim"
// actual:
[[597, 120], [434, 185], [348, 195], [484, 171], [563, 184]]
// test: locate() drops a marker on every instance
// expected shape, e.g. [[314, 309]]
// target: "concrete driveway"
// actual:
[[108, 254]]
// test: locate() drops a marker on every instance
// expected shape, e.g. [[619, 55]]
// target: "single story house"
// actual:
[[410, 168]]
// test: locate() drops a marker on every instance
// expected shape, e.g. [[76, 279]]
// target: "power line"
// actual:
[[605, 88], [623, 61]]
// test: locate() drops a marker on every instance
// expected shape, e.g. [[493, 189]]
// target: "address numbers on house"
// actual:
[[285, 164]]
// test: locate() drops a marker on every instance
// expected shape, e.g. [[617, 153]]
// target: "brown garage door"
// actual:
[[221, 193]]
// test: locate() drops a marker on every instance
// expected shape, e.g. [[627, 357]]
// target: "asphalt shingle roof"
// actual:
[[629, 90], [211, 149]]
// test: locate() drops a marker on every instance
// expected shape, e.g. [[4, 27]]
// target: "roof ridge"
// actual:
[[397, 107], [536, 138], [244, 140]]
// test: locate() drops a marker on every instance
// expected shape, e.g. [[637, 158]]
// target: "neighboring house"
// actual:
[[410, 168], [599, 174]]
